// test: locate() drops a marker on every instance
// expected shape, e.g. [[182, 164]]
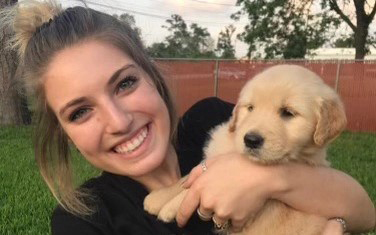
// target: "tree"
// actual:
[[129, 19], [224, 45], [345, 41], [363, 21], [348, 41], [372, 40], [282, 28], [183, 41], [280, 18], [13, 105]]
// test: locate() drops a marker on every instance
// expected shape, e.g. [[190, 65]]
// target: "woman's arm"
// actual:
[[327, 192], [235, 188]]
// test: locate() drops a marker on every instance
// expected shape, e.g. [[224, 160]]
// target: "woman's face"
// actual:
[[109, 108]]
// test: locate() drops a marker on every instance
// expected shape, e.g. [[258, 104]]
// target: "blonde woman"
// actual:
[[95, 87]]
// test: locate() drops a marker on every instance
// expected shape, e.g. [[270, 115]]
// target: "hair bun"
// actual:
[[24, 18]]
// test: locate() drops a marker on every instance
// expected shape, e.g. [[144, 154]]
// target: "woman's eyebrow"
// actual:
[[110, 81], [71, 103], [118, 72]]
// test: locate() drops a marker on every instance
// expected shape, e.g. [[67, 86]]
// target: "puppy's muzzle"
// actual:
[[253, 140]]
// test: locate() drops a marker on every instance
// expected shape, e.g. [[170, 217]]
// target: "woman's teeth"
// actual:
[[132, 144]]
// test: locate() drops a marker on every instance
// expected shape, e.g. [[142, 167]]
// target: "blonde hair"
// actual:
[[41, 29]]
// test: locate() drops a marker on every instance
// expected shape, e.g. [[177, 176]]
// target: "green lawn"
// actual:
[[26, 204]]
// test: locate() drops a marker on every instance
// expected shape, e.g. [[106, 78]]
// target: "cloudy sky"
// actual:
[[150, 15]]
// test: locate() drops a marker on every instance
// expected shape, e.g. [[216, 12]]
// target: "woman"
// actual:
[[95, 87]]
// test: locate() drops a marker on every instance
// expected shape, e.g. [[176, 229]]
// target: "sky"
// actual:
[[150, 15], [214, 15]]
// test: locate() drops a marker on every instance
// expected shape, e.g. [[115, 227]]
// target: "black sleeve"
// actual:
[[193, 129]]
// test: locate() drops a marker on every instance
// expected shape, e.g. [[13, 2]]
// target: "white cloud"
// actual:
[[150, 15]]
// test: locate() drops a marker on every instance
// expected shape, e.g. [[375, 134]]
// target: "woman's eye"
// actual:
[[250, 108], [286, 113], [78, 114], [127, 83]]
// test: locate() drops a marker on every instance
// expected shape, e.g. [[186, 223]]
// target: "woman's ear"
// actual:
[[233, 119], [331, 121]]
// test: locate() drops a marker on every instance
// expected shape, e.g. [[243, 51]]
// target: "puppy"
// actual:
[[285, 113]]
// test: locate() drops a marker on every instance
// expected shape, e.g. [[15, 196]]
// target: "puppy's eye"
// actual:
[[250, 107], [286, 113]]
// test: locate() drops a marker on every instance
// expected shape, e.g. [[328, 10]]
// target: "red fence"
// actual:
[[355, 81]]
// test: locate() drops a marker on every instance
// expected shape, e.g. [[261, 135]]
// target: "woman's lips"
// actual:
[[134, 143]]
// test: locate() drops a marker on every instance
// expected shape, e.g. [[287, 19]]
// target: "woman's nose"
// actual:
[[118, 119]]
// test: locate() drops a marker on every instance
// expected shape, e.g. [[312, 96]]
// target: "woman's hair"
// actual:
[[41, 30]]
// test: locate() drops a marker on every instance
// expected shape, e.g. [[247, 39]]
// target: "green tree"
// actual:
[[363, 21], [348, 41], [281, 28], [273, 24], [224, 45], [345, 41], [128, 18], [183, 41], [372, 41]]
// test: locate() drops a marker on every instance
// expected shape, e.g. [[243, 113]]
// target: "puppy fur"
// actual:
[[285, 113]]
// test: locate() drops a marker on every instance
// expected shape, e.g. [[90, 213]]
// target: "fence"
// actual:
[[355, 81]]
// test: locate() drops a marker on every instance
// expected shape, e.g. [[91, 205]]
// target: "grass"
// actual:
[[26, 204]]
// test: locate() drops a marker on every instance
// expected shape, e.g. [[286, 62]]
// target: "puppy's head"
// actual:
[[284, 113]]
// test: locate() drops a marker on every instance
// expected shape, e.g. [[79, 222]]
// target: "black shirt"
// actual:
[[119, 199]]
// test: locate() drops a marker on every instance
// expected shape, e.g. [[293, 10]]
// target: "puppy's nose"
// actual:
[[253, 140]]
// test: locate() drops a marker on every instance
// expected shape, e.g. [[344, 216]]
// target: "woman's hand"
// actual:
[[232, 188], [329, 193]]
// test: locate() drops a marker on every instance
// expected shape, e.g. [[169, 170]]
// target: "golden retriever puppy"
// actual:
[[285, 113]]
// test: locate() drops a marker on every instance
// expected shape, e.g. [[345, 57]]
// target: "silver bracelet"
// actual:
[[342, 222]]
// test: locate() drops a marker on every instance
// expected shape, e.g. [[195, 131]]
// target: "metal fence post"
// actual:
[[337, 75], [216, 79], [216, 75]]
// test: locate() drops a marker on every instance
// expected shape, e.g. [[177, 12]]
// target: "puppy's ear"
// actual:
[[233, 119], [331, 121]]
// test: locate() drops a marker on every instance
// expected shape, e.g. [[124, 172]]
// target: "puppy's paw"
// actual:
[[168, 213], [170, 210], [158, 199], [153, 204]]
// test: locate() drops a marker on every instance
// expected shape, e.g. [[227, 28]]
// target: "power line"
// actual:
[[164, 2], [126, 10], [150, 14], [213, 3], [210, 3]]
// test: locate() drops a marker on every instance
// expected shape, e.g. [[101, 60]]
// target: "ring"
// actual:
[[203, 165], [219, 226], [202, 216]]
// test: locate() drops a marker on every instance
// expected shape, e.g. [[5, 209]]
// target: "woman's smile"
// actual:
[[137, 146], [134, 143]]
